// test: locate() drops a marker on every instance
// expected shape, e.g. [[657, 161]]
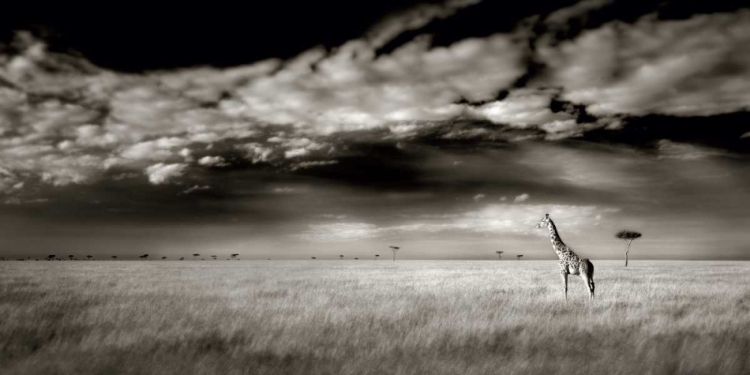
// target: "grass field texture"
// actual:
[[372, 317]]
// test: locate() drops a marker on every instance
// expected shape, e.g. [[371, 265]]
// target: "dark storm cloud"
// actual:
[[94, 122]]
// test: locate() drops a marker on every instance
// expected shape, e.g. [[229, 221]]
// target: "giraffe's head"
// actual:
[[544, 222]]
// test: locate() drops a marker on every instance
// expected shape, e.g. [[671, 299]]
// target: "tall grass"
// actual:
[[368, 317]]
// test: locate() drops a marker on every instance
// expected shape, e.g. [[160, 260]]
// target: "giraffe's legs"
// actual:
[[565, 283], [589, 284], [587, 274]]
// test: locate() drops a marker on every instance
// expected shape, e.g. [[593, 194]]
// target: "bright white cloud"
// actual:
[[212, 161], [352, 90], [697, 66], [161, 173], [522, 108], [336, 232], [521, 198], [498, 219]]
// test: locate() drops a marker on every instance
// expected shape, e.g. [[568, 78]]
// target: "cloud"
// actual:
[[352, 89], [285, 190], [196, 188], [336, 232], [685, 151], [17, 201], [257, 152], [65, 121], [161, 173], [497, 219], [8, 181], [561, 18], [693, 67], [521, 198], [212, 161], [313, 164], [413, 19], [522, 108]]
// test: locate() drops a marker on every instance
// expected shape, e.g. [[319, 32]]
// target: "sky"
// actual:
[[448, 128]]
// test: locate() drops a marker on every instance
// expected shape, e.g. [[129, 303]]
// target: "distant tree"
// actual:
[[356, 258], [163, 258], [89, 257], [182, 258], [519, 257], [144, 257], [628, 236], [70, 257], [341, 257], [234, 256], [377, 256], [51, 257], [499, 254], [394, 249], [114, 256], [213, 256], [313, 258], [195, 256]]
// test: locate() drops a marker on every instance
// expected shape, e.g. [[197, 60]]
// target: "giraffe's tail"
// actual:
[[590, 274]]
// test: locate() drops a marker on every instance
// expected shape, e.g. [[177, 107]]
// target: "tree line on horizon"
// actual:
[[626, 235]]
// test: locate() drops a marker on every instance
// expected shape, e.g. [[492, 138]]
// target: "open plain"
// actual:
[[371, 317]]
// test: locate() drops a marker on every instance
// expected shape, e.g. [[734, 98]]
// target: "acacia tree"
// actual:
[[70, 257], [341, 257], [213, 256], [628, 236], [50, 257], [377, 256], [233, 256], [89, 257], [394, 249], [499, 254], [313, 258], [519, 257], [114, 257], [163, 258], [195, 256], [144, 257], [182, 258]]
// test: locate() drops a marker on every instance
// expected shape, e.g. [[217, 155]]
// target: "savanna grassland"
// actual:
[[371, 317]]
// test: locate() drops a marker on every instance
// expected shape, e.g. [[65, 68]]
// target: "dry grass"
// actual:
[[371, 317]]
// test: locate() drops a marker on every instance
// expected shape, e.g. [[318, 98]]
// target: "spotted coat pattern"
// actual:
[[570, 263]]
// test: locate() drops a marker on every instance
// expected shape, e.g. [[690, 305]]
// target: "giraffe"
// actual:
[[570, 263]]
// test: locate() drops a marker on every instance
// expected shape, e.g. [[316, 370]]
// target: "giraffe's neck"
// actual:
[[557, 244]]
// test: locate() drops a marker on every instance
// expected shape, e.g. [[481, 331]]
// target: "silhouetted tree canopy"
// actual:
[[628, 235]]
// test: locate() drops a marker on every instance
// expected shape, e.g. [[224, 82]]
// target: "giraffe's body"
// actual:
[[570, 263]]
